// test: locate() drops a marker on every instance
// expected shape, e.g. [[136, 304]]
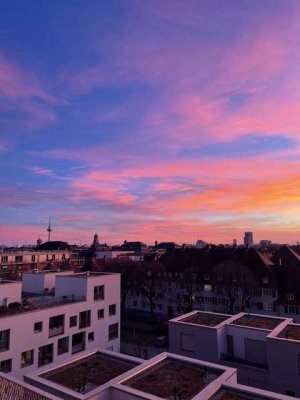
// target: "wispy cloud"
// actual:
[[41, 171]]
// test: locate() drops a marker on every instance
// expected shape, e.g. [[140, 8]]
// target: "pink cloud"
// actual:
[[21, 90]]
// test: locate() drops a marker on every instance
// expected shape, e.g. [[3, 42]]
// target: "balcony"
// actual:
[[236, 360]]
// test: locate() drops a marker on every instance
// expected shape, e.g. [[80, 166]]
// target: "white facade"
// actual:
[[10, 292], [265, 350], [118, 389], [83, 313], [40, 282]]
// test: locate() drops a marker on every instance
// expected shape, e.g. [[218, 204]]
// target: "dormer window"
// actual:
[[290, 296]]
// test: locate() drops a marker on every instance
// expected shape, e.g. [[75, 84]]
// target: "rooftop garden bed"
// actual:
[[171, 378], [89, 372]]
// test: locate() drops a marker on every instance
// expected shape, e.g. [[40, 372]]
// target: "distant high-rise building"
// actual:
[[248, 238], [265, 243]]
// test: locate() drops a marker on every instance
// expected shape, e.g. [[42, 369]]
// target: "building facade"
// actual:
[[49, 323], [265, 350]]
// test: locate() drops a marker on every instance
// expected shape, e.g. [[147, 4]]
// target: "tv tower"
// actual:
[[49, 230]]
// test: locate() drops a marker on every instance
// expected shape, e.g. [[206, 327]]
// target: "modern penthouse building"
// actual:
[[264, 349], [52, 315], [23, 260]]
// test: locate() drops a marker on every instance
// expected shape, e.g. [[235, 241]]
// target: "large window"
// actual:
[[100, 313], [5, 365], [187, 342], [26, 358], [73, 321], [99, 292], [78, 342], [45, 355], [84, 319], [56, 325], [113, 331], [112, 310], [4, 340], [63, 345]]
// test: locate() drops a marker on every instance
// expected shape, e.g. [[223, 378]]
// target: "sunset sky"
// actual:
[[149, 120]]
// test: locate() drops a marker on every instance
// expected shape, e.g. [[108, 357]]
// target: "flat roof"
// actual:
[[89, 372], [235, 394], [39, 303], [206, 319], [291, 331], [172, 377], [256, 321], [6, 281], [88, 274]]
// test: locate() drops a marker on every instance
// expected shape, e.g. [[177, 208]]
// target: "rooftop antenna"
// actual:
[[49, 229]]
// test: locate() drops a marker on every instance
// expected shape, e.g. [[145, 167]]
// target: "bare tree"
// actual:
[[235, 282]]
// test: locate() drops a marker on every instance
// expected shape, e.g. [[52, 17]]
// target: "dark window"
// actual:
[[113, 331], [45, 355], [99, 292], [19, 258], [5, 365], [38, 327], [26, 358], [33, 258], [78, 342], [63, 345], [91, 337], [84, 319], [230, 345], [290, 393], [112, 309], [100, 313], [4, 340], [73, 321], [56, 325]]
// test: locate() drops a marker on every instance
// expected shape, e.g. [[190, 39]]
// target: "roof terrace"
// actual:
[[291, 331], [256, 321], [89, 372], [206, 319], [170, 378], [87, 274], [35, 303]]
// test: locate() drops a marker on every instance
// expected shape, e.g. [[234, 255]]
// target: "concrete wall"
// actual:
[[239, 334], [284, 365], [71, 286], [10, 292], [203, 341]]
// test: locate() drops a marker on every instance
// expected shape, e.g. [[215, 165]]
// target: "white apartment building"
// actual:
[[103, 375], [46, 325], [264, 349]]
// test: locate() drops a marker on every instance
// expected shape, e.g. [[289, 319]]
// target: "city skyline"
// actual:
[[149, 120]]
